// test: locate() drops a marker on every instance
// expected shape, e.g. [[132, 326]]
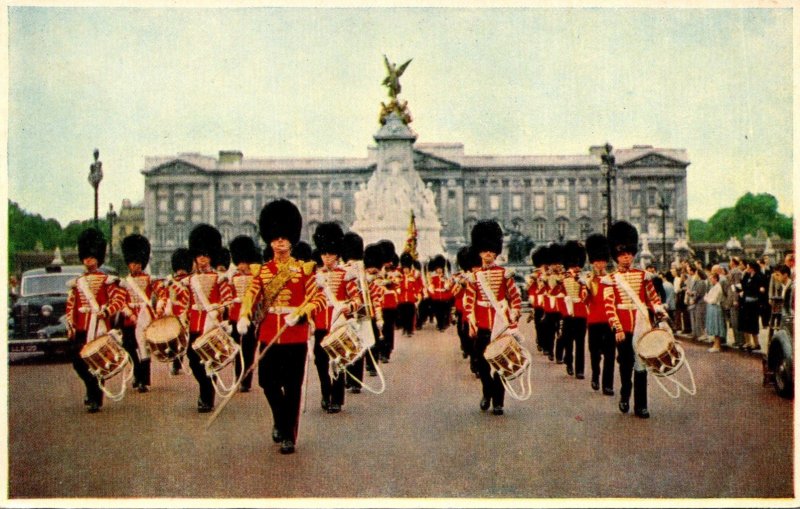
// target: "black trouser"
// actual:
[[538, 318], [425, 311], [375, 350], [141, 369], [492, 386], [248, 345], [550, 325], [602, 344], [574, 339], [441, 310], [93, 392], [332, 388], [199, 372], [639, 383], [405, 316], [280, 373], [389, 319]]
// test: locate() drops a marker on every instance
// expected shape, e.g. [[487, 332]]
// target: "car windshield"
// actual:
[[45, 284]]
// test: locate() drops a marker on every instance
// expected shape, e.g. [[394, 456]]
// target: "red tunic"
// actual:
[[107, 294], [172, 296], [439, 288], [390, 280], [342, 289], [133, 303], [597, 310], [619, 307], [410, 288], [298, 296], [502, 285], [216, 291]]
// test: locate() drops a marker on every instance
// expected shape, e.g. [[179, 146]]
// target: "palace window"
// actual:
[[247, 205], [562, 228], [225, 205], [314, 205], [538, 229], [472, 203], [494, 202], [583, 201], [336, 205], [538, 202], [180, 203], [163, 205], [635, 198], [561, 202], [197, 205], [516, 202]]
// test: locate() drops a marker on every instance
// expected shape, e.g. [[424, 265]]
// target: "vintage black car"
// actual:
[[779, 359], [41, 304]]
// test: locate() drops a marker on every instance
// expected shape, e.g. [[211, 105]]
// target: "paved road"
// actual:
[[424, 437]]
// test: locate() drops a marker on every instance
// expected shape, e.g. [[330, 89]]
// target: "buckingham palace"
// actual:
[[545, 197]]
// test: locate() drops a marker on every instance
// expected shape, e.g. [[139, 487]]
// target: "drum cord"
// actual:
[[380, 376], [216, 379], [526, 389], [678, 385], [127, 367]]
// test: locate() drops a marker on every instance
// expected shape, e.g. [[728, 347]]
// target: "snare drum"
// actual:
[[167, 338], [659, 351], [507, 357], [343, 345], [216, 349], [105, 355]]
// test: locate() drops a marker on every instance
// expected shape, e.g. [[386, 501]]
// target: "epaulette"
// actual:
[[509, 273], [112, 279], [308, 268], [351, 273], [608, 280], [72, 283], [255, 268]]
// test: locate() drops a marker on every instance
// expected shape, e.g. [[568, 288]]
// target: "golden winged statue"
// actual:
[[392, 80]]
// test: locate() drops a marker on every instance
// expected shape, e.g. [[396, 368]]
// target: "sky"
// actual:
[[306, 82]]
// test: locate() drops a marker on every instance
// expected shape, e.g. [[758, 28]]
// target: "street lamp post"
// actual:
[[664, 206], [95, 176], [608, 169], [111, 216]]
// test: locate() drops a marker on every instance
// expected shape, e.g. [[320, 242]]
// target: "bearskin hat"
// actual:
[[280, 218], [437, 262], [388, 253], [406, 260], [222, 258], [328, 238], [92, 243], [467, 258], [352, 247], [373, 257], [574, 254], [623, 238], [182, 260], [394, 260], [267, 254], [136, 249], [540, 256], [244, 250], [204, 239], [300, 251], [555, 254], [316, 257], [487, 236], [597, 248]]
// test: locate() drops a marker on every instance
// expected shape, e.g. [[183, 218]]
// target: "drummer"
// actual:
[[341, 297], [287, 289], [247, 259], [623, 289], [93, 297], [172, 297], [209, 294], [479, 305], [138, 310]]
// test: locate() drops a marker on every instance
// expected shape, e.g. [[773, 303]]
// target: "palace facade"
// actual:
[[547, 198]]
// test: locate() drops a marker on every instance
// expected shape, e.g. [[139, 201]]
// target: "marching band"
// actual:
[[270, 313]]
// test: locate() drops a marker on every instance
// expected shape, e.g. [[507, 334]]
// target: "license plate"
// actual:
[[23, 348]]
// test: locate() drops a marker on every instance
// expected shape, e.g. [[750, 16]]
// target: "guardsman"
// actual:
[[373, 263], [492, 304], [410, 294], [288, 294], [138, 310], [573, 295], [390, 281], [551, 323], [536, 296], [626, 290], [247, 259], [172, 296], [341, 298], [469, 262], [93, 297], [209, 294], [602, 344], [439, 291]]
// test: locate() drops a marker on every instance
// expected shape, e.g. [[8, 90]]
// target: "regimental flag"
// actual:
[[411, 238]]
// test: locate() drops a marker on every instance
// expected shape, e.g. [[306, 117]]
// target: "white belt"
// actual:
[[281, 310], [576, 299], [85, 309], [627, 307], [483, 303]]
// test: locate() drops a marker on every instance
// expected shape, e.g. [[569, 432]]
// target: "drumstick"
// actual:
[[235, 388]]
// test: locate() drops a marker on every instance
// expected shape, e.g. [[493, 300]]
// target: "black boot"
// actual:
[[640, 394]]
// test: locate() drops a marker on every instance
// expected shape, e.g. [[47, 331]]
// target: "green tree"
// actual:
[[750, 214]]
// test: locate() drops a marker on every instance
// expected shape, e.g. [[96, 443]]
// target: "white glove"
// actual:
[[379, 323], [212, 315], [292, 319], [227, 327], [242, 325]]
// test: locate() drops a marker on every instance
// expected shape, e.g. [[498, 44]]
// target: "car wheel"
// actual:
[[784, 385]]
